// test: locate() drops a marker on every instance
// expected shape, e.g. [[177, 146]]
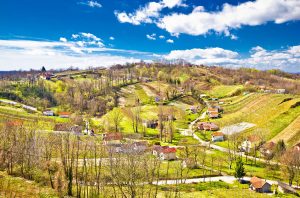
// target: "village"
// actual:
[[214, 135]]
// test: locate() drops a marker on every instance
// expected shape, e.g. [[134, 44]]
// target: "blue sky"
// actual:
[[262, 33]]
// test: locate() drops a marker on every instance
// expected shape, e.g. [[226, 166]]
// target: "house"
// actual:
[[46, 76], [48, 112], [259, 185], [112, 138], [267, 149], [29, 108], [280, 91], [64, 114], [250, 143], [141, 146], [208, 126], [217, 137], [213, 112], [150, 123], [164, 152], [285, 188], [213, 115]]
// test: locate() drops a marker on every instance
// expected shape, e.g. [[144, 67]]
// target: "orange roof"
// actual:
[[64, 113], [217, 134], [14, 123], [257, 182], [253, 138]]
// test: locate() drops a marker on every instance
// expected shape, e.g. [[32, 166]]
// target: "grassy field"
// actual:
[[18, 187], [290, 134], [210, 189], [222, 91]]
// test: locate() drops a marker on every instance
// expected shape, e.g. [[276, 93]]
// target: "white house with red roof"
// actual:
[[165, 152]]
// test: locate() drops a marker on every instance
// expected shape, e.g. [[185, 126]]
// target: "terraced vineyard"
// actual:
[[268, 111]]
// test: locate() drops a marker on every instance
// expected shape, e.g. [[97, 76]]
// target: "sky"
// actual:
[[261, 34]]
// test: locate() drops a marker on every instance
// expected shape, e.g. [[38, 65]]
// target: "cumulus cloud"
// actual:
[[93, 4], [251, 13], [151, 37], [162, 37], [62, 39], [148, 13], [287, 59], [82, 50], [111, 38], [170, 41], [201, 21]]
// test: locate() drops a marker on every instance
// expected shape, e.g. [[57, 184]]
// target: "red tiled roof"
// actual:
[[64, 113], [169, 150], [257, 182]]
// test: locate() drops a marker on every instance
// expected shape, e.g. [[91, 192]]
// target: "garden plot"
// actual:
[[236, 128]]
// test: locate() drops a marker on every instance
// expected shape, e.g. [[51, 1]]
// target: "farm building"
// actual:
[[250, 143], [217, 137], [164, 152], [208, 126], [267, 149], [280, 91], [259, 185], [48, 113], [285, 188], [64, 114], [112, 138]]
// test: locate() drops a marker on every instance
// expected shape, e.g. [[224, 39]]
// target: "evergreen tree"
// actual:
[[239, 169], [43, 69]]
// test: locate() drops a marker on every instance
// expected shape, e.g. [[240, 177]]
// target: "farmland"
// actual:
[[104, 127]]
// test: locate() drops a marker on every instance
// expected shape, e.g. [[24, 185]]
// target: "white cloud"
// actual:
[[233, 37], [162, 37], [151, 37], [93, 4], [147, 14], [62, 39], [170, 41], [251, 13], [287, 60], [201, 21], [112, 38]]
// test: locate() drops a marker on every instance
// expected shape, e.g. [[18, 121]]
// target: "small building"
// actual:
[[267, 149], [280, 91], [213, 115], [285, 188], [217, 137], [250, 143], [213, 112], [164, 152], [64, 114], [208, 126], [112, 138], [48, 112], [150, 123], [259, 185]]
